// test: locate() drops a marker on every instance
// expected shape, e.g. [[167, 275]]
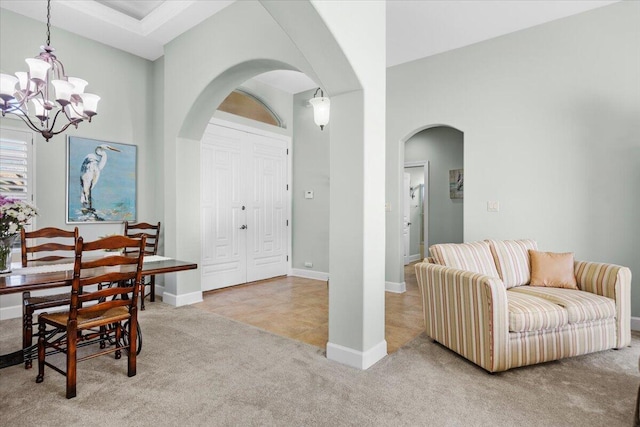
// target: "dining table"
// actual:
[[40, 276]]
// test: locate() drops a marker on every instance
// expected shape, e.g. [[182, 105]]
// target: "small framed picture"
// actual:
[[101, 181], [456, 184]]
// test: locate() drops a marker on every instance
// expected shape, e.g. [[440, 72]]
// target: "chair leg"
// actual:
[[142, 286], [118, 327], [27, 331], [153, 289], [133, 347], [72, 338], [41, 352]]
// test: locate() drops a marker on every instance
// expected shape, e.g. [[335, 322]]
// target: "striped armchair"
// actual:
[[477, 302]]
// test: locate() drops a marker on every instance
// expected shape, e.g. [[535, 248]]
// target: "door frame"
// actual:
[[425, 201], [244, 128]]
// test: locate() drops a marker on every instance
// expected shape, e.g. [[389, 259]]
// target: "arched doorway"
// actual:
[[289, 35], [442, 148], [437, 151]]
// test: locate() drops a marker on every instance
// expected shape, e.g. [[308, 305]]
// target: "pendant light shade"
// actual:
[[321, 109]]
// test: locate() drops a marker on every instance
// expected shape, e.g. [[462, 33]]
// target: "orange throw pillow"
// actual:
[[553, 270]]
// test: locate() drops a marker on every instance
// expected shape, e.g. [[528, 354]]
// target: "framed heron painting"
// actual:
[[101, 181]]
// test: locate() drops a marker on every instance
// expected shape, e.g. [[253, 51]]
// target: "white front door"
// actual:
[[406, 218], [244, 207]]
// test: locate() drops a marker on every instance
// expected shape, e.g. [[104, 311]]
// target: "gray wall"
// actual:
[[442, 148], [550, 120], [124, 82], [310, 172]]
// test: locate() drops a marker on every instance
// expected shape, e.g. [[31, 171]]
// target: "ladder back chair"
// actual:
[[152, 233], [60, 245], [103, 319]]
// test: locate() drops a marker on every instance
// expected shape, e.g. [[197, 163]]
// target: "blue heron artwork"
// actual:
[[101, 181]]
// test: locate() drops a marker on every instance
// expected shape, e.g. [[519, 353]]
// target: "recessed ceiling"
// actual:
[[415, 29], [135, 9]]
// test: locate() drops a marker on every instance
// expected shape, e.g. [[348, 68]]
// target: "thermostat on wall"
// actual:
[[308, 194]]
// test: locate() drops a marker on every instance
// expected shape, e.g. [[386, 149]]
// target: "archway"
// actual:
[[289, 35], [452, 215]]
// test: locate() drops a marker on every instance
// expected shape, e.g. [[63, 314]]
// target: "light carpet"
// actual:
[[199, 369]]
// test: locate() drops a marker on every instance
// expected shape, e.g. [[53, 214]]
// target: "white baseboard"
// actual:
[[415, 257], [309, 274], [180, 300], [11, 312], [635, 323], [354, 358], [395, 287]]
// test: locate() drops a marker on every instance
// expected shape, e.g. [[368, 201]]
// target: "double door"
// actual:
[[244, 207]]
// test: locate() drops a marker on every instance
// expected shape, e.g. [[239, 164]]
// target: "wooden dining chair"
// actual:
[[60, 244], [96, 315], [152, 233]]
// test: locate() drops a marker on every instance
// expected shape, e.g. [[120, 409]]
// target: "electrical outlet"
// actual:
[[308, 264]]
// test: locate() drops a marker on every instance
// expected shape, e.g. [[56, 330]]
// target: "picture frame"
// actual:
[[101, 181], [456, 183]]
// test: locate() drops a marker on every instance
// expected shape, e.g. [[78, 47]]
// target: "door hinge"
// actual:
[[287, 223], [287, 187], [287, 257], [287, 151]]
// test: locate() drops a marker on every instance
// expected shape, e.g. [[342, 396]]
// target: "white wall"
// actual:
[[550, 121], [442, 148]]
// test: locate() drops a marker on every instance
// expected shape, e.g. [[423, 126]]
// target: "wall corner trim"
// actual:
[[354, 358], [635, 323], [309, 274], [183, 299], [395, 287]]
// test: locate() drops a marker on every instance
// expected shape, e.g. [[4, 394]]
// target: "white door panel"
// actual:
[[244, 207], [267, 237]]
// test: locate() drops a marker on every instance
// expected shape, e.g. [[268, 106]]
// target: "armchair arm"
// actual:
[[611, 281], [466, 312]]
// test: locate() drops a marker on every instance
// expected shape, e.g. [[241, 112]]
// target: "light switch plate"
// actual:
[[308, 194]]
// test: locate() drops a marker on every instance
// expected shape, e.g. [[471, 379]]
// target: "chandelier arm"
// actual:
[[25, 118], [53, 124], [63, 129]]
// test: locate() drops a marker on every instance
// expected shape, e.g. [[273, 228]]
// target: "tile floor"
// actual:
[[297, 308]]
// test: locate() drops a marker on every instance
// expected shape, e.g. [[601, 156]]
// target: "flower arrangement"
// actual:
[[14, 215]]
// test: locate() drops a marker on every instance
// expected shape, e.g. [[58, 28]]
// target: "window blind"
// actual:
[[16, 160]]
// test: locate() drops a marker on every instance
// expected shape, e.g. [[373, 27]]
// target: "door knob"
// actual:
[[243, 227]]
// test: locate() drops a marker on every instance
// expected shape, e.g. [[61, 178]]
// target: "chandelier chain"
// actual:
[[48, 22]]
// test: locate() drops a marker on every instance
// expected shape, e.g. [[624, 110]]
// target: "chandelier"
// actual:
[[321, 108], [49, 91]]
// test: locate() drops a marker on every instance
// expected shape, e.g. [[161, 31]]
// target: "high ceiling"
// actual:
[[415, 29]]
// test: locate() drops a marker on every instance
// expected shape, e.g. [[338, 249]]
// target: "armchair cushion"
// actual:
[[512, 260], [580, 306], [474, 257], [531, 313]]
